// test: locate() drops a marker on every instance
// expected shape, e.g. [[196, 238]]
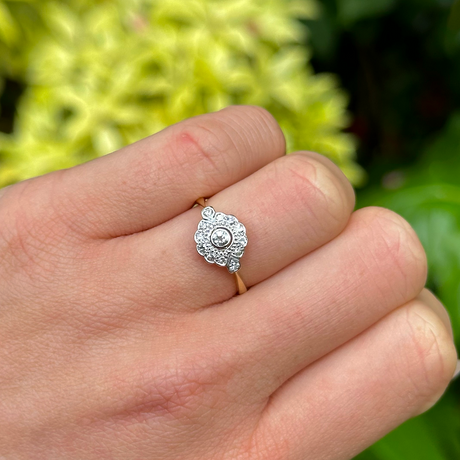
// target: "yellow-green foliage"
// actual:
[[102, 74]]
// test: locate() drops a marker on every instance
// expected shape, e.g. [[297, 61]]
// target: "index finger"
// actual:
[[157, 178]]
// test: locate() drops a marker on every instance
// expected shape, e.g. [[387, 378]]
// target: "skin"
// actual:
[[118, 341]]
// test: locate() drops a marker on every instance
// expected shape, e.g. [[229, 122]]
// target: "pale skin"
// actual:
[[118, 341]]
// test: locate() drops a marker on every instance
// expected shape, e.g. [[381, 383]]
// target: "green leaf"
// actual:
[[454, 18], [350, 11], [101, 74], [431, 436], [414, 440], [428, 196], [9, 32]]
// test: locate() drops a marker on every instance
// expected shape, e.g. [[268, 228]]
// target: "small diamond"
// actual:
[[208, 212], [238, 250], [241, 228], [221, 237], [204, 225], [221, 260], [199, 237], [233, 264], [243, 241]]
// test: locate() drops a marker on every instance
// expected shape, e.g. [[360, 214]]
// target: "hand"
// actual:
[[118, 341]]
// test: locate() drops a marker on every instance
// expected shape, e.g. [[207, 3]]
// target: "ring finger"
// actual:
[[290, 207]]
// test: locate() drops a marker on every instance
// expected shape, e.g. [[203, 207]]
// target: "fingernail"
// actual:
[[457, 370], [433, 302]]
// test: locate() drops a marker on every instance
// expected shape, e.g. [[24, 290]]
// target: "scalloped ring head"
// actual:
[[221, 239]]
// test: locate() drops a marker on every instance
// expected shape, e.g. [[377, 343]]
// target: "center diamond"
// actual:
[[221, 237]]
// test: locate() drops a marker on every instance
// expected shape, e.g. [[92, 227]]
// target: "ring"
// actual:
[[221, 239]]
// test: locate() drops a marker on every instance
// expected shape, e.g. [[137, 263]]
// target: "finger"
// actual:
[[157, 178], [3, 191], [346, 401], [324, 299], [290, 207], [432, 301], [427, 297]]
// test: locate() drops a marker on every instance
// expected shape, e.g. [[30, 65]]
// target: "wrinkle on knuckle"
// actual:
[[33, 247], [21, 245], [195, 144], [34, 233], [218, 145], [184, 392]]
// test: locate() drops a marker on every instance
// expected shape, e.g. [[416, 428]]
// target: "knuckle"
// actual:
[[22, 249], [29, 235], [172, 393], [220, 142], [18, 223], [175, 391], [431, 355], [313, 182], [394, 242], [207, 145]]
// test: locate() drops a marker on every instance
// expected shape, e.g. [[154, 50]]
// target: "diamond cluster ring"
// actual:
[[221, 239]]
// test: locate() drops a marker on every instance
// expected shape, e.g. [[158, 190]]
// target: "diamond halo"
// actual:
[[221, 239]]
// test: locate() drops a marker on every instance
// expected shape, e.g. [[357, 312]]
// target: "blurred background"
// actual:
[[372, 84]]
